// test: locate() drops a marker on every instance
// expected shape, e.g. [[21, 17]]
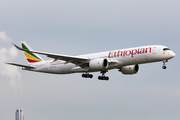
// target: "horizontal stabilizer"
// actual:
[[19, 65]]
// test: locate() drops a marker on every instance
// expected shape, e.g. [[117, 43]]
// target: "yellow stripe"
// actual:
[[30, 57], [164, 52]]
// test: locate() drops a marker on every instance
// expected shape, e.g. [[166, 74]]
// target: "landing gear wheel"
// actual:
[[164, 67], [83, 75], [107, 78], [87, 75], [90, 76]]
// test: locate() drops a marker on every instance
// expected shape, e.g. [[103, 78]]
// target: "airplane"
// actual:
[[125, 60]]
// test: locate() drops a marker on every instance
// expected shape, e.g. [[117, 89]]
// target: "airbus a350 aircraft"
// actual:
[[125, 60]]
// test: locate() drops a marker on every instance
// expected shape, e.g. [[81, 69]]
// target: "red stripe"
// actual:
[[32, 61]]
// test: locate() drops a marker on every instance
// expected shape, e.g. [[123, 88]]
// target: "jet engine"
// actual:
[[99, 64], [132, 69]]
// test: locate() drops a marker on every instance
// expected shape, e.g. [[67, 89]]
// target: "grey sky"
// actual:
[[77, 27]]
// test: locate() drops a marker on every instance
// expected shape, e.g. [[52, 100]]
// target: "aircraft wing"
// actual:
[[72, 59], [19, 65]]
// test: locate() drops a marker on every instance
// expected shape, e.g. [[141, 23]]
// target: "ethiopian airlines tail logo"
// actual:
[[31, 57]]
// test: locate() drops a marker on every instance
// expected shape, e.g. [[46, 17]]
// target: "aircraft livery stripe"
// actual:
[[31, 61], [30, 57]]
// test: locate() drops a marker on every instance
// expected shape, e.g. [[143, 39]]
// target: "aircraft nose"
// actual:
[[173, 54]]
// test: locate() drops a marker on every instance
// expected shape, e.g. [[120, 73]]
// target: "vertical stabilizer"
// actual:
[[30, 57]]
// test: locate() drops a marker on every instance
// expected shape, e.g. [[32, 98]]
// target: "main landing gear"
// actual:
[[87, 75], [103, 77], [164, 64]]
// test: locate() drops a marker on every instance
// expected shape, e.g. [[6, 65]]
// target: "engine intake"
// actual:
[[99, 64], [132, 69]]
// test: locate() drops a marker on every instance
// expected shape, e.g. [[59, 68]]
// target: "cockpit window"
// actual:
[[166, 49]]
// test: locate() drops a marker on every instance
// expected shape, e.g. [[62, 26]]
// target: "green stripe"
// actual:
[[24, 47]]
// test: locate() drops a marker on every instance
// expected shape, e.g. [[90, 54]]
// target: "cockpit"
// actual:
[[166, 49]]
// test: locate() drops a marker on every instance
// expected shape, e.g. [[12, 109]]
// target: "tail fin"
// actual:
[[31, 57]]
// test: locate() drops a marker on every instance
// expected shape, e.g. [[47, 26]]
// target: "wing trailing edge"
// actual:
[[72, 59]]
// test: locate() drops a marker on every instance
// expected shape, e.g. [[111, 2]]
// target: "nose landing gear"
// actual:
[[164, 64]]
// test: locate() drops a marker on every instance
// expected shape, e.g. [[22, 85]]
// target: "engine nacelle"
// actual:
[[99, 64], [132, 69]]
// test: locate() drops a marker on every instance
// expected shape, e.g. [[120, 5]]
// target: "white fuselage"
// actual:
[[116, 58]]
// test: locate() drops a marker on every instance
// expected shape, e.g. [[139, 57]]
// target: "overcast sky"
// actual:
[[76, 27]]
